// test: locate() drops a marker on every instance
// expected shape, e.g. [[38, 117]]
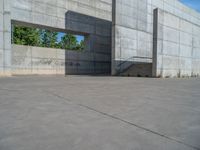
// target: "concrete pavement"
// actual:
[[99, 113]]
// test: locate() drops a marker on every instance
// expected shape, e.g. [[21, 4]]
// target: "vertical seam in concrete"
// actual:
[[155, 41], [179, 46], [95, 34], [193, 36], [113, 63], [162, 44], [137, 19], [31, 59], [66, 61], [120, 69], [3, 40], [6, 62]]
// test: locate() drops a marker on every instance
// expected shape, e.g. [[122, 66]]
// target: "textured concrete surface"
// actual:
[[132, 42], [177, 53], [37, 60], [138, 70], [88, 17], [99, 113], [5, 36], [133, 37]]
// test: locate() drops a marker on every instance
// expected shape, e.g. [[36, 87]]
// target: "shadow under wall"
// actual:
[[95, 59], [133, 68]]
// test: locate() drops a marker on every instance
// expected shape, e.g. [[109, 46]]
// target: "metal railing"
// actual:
[[133, 57]]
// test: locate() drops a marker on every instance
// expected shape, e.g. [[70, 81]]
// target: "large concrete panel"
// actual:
[[99, 113], [133, 34], [5, 35], [37, 60], [178, 46], [132, 38], [131, 41], [88, 17]]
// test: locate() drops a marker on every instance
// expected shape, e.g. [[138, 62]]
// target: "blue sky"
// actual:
[[195, 4], [79, 37]]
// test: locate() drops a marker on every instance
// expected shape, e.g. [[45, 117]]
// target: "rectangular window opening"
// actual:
[[30, 36]]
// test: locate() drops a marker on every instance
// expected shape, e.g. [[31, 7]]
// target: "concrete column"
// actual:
[[1, 36], [113, 63], [5, 37], [155, 42], [157, 69]]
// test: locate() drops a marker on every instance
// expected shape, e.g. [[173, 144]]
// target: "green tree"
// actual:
[[81, 45], [68, 41], [26, 36], [45, 38], [49, 39]]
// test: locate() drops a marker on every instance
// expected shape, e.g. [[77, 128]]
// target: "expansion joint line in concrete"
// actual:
[[124, 121], [8, 90]]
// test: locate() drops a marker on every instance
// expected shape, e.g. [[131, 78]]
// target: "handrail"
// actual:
[[127, 60]]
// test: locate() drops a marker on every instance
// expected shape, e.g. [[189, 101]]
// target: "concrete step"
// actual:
[[138, 70]]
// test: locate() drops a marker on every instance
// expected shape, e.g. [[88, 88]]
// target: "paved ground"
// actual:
[[99, 113]]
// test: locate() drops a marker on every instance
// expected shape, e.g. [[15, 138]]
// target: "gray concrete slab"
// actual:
[[99, 113]]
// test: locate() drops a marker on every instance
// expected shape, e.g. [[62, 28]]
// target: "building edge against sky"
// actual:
[[164, 33], [159, 38]]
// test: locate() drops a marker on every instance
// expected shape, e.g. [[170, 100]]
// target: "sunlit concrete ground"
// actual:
[[99, 113]]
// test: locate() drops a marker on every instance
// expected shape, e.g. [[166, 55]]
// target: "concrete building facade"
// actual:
[[91, 18], [159, 34], [159, 38]]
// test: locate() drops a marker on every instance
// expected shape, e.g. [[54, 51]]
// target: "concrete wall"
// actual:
[[1, 37], [52, 12], [177, 46], [133, 30], [138, 70], [131, 40], [37, 60], [5, 38], [88, 17]]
